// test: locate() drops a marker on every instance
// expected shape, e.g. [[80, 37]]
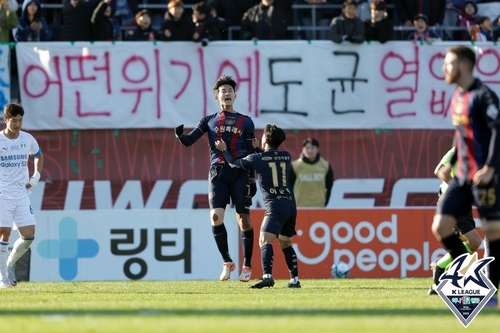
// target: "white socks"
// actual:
[[20, 247], [4, 251]]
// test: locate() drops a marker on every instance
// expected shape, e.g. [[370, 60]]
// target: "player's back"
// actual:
[[474, 112], [272, 168]]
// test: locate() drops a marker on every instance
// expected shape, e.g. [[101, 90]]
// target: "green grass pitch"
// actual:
[[350, 305]]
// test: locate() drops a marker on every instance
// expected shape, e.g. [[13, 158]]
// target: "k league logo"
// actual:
[[464, 287]]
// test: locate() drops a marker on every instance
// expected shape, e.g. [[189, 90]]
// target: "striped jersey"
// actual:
[[235, 129], [475, 116]]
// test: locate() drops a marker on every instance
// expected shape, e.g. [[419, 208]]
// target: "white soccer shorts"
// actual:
[[16, 212]]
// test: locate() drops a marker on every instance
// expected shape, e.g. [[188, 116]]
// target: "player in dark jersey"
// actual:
[[475, 115], [272, 167], [226, 183]]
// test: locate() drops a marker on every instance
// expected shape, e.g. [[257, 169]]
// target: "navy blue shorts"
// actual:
[[459, 197], [465, 222], [280, 221], [226, 184]]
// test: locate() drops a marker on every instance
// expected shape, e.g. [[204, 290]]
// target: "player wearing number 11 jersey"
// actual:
[[272, 167]]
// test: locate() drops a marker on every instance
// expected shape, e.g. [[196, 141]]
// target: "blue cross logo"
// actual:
[[68, 248]]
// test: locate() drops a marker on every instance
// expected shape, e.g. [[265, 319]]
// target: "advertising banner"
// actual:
[[179, 245], [126, 245], [375, 243]]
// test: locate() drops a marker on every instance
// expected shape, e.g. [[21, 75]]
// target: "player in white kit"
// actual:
[[16, 147]]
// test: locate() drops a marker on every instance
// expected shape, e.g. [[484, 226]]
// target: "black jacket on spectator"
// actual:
[[255, 21], [139, 34], [102, 28], [181, 30], [208, 29], [232, 10], [407, 9], [76, 20], [381, 31], [351, 30]]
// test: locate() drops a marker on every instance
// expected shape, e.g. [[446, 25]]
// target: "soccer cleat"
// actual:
[[294, 285], [268, 282], [492, 302], [432, 290], [436, 272], [11, 275], [246, 273], [5, 283], [227, 268]]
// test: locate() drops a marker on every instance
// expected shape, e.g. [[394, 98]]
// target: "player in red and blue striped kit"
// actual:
[[475, 115], [226, 183]]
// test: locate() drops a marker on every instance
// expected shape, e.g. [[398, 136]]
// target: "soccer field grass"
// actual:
[[350, 305]]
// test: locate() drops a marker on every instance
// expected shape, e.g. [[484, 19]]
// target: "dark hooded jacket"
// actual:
[[24, 32]]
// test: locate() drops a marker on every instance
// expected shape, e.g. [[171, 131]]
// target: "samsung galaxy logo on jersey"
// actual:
[[14, 157], [267, 158], [230, 121]]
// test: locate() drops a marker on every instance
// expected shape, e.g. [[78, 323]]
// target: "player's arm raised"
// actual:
[[193, 136]]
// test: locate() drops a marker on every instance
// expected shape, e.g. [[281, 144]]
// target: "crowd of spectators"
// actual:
[[354, 21]]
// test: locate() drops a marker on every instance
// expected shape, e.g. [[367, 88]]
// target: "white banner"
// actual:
[[295, 84], [4, 76], [122, 245]]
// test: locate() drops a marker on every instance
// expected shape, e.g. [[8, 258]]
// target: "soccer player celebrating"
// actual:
[[475, 115], [15, 184], [226, 183], [272, 167]]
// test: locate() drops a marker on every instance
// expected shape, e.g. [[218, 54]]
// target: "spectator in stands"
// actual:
[[311, 176], [483, 30], [323, 16], [347, 27], [124, 12], [206, 25], [76, 20], [496, 30], [422, 32], [232, 11], [8, 20], [466, 20], [143, 31], [433, 9], [267, 21], [176, 26], [32, 26], [103, 25], [379, 27]]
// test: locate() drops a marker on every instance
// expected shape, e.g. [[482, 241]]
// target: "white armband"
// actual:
[[34, 179]]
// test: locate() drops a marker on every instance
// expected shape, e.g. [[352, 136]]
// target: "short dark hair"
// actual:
[[312, 141], [274, 135], [464, 53], [202, 8], [12, 110], [481, 19], [378, 5], [225, 79], [350, 3], [143, 12]]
